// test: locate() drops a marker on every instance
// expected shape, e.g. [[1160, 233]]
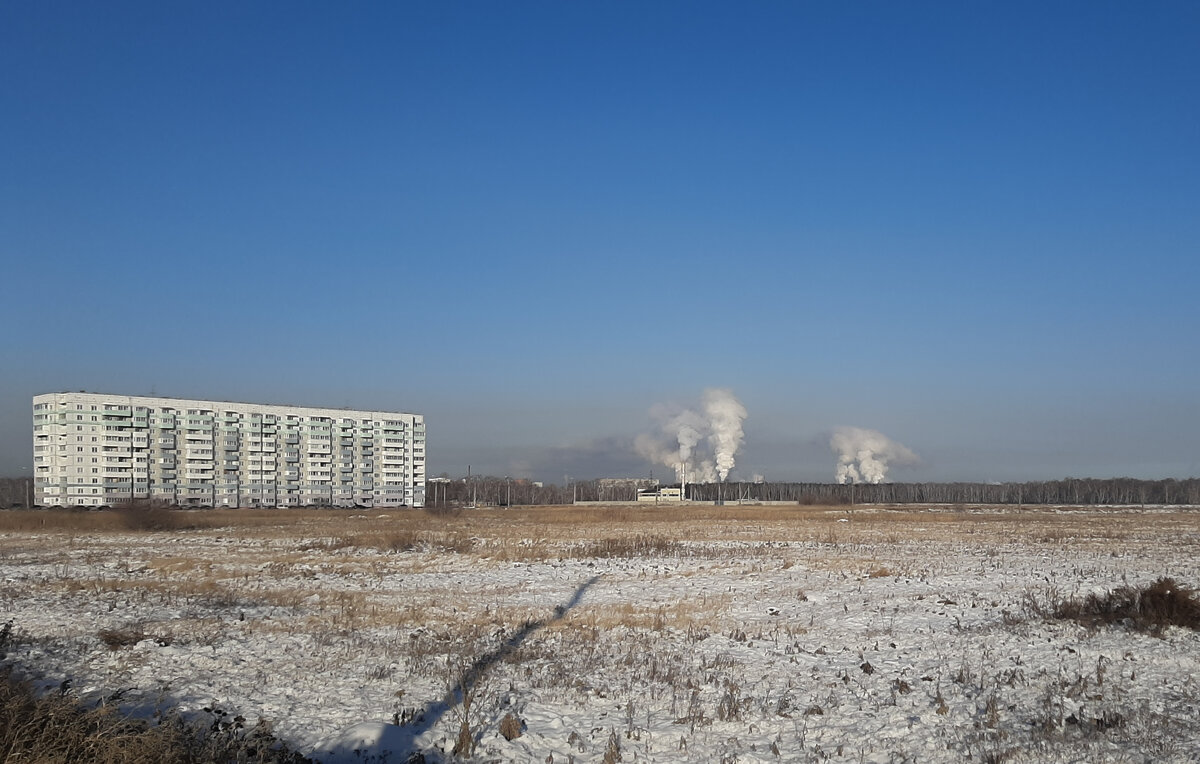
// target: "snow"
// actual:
[[365, 740], [857, 643]]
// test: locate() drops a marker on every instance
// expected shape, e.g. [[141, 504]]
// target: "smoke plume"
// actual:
[[865, 455], [699, 445]]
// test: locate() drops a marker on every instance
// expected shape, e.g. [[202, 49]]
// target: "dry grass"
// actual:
[[642, 545], [405, 529], [1151, 608], [52, 728], [352, 581], [122, 636], [511, 727]]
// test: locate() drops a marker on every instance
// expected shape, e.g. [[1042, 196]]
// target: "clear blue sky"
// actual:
[[972, 226]]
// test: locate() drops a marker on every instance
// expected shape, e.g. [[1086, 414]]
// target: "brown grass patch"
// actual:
[[1151, 608], [511, 727], [122, 636], [54, 728], [149, 517], [642, 545]]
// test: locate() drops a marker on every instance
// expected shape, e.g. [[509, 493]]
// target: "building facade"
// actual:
[[100, 450]]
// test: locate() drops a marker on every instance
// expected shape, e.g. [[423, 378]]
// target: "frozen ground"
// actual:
[[733, 634]]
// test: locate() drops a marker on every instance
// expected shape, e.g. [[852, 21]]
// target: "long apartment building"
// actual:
[[95, 450]]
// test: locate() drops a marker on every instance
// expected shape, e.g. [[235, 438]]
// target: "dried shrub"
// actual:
[[6, 638], [402, 541], [612, 751], [731, 704], [54, 727], [464, 744], [143, 516], [642, 545], [453, 542], [1151, 608], [331, 544], [123, 636], [511, 727]]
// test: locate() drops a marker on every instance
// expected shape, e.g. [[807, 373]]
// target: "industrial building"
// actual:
[[668, 493], [100, 450]]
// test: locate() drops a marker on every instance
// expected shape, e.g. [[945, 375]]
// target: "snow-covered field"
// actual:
[[701, 634]]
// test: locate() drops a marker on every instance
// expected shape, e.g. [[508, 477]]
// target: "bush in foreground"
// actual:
[[148, 516], [54, 728], [1150, 608]]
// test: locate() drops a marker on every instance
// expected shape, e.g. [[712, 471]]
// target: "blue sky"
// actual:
[[972, 226]]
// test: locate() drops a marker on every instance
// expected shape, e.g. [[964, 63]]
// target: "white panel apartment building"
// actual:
[[95, 450]]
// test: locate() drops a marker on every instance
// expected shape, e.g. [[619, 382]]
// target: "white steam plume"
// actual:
[[725, 415], [865, 455], [699, 447]]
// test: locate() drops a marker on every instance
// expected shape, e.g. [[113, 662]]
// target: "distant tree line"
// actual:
[[1067, 491], [498, 491]]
